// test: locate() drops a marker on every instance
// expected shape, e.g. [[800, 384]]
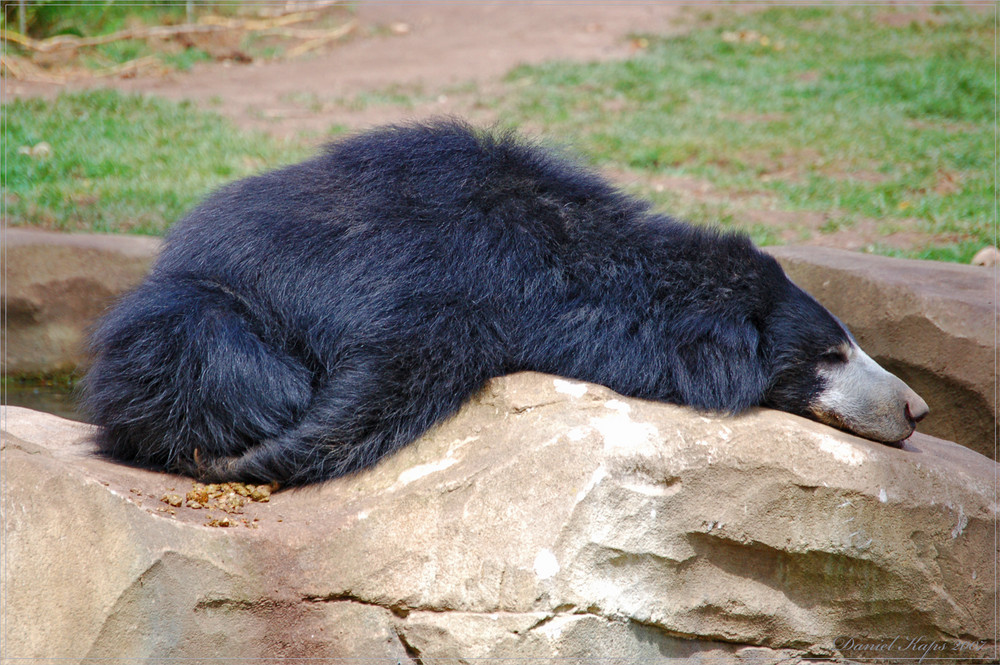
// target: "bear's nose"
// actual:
[[916, 408]]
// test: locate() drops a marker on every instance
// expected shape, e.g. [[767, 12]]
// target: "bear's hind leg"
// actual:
[[341, 430], [182, 366], [365, 410]]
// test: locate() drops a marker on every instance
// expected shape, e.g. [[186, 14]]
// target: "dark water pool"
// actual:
[[57, 400]]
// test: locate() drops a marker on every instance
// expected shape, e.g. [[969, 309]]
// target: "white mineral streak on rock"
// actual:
[[570, 387], [842, 451], [554, 629], [460, 443], [599, 474], [546, 565], [622, 434], [618, 405], [648, 489], [421, 470], [963, 521]]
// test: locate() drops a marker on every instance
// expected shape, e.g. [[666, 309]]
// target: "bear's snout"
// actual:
[[863, 398]]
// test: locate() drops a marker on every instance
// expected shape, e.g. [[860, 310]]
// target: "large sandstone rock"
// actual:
[[547, 519], [56, 285], [932, 324]]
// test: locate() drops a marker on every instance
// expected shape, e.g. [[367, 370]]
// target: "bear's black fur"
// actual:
[[302, 324]]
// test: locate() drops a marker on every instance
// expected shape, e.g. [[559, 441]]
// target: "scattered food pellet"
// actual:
[[227, 497], [172, 499], [261, 493], [219, 521]]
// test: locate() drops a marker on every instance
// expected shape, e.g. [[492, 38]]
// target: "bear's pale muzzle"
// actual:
[[866, 400]]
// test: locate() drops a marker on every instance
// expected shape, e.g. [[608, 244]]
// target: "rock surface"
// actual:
[[56, 285], [932, 324], [547, 519]]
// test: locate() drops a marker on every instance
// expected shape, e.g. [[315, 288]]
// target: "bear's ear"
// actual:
[[719, 365]]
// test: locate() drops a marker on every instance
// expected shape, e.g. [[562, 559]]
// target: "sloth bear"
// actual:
[[302, 324]]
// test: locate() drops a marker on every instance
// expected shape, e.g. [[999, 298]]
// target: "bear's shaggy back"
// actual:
[[303, 323]]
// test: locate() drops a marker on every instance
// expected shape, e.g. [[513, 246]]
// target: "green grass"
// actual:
[[816, 96], [810, 109], [50, 19], [397, 95], [123, 162]]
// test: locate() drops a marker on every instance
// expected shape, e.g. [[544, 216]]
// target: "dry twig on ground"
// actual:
[[71, 42], [23, 69]]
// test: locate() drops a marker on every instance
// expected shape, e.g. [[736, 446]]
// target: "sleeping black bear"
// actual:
[[301, 324]]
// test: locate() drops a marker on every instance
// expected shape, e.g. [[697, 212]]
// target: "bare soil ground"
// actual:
[[433, 52]]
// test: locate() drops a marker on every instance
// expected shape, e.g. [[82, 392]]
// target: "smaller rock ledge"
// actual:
[[57, 285]]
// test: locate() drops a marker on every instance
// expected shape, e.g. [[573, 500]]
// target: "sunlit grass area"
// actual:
[[849, 117], [839, 110], [117, 162]]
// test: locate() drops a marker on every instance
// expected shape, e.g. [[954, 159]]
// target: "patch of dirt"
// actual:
[[901, 19], [950, 127], [859, 175], [757, 118], [690, 188], [788, 166], [435, 48], [803, 227], [822, 229]]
